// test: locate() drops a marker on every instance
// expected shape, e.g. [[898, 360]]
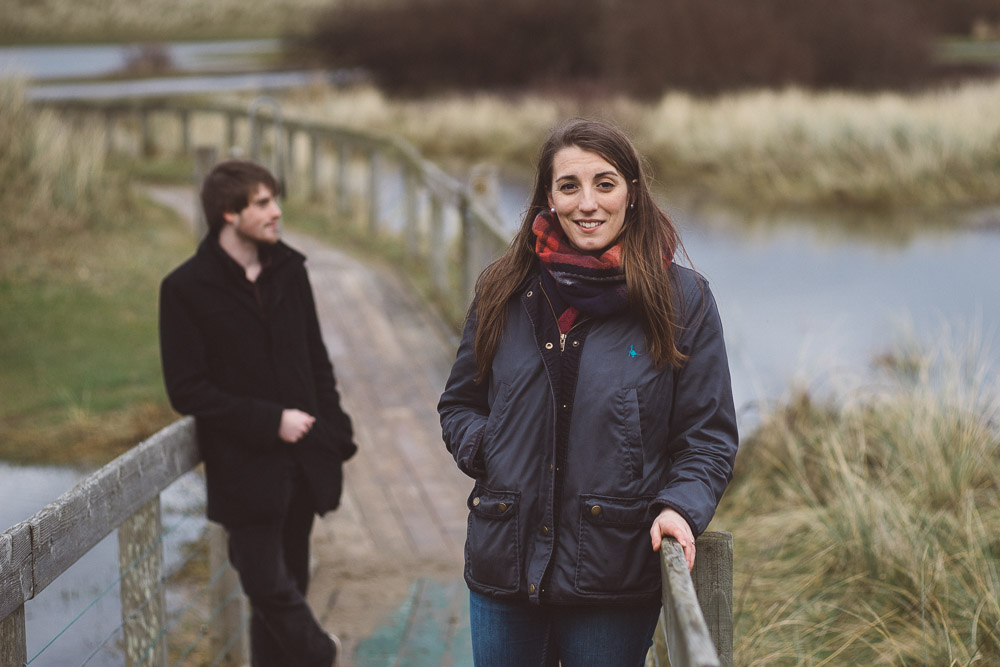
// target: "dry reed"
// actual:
[[866, 529], [758, 149]]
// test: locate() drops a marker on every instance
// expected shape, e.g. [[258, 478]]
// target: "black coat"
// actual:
[[235, 354]]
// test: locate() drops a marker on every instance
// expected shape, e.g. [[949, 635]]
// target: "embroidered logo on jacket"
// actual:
[[631, 352]]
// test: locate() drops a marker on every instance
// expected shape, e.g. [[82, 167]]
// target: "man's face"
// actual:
[[260, 220]]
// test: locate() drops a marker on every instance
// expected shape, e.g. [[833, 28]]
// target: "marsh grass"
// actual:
[[866, 528], [762, 150], [80, 262]]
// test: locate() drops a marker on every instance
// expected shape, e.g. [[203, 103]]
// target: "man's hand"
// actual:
[[294, 425], [671, 524]]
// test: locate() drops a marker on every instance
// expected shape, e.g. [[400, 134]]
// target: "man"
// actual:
[[242, 352]]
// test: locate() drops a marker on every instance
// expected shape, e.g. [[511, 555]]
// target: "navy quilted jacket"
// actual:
[[576, 445]]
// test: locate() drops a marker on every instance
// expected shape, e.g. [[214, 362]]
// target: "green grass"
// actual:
[[79, 366], [80, 262]]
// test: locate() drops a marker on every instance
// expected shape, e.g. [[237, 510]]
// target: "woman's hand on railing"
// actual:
[[670, 523]]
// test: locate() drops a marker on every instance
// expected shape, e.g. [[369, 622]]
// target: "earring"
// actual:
[[552, 210], [632, 205]]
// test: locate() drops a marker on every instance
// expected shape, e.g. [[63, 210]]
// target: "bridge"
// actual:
[[387, 566]]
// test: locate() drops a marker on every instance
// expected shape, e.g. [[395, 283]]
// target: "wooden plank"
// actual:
[[13, 640], [713, 580], [140, 561], [16, 582], [227, 596], [381, 648], [68, 527], [688, 641], [432, 625]]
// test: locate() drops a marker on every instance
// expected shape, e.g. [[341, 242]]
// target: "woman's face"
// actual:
[[590, 198]]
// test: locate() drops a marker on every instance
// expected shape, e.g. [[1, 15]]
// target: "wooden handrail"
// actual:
[[698, 605], [481, 238], [124, 494]]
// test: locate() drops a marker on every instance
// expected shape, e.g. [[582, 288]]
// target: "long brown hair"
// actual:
[[646, 236]]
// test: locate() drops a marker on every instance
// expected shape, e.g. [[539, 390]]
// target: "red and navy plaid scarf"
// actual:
[[589, 284]]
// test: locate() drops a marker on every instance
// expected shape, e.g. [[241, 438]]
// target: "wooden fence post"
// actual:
[[437, 255], [140, 559], [147, 147], [205, 158], [314, 193], [373, 193], [470, 251], [109, 132], [288, 168], [229, 641], [713, 582], [13, 640], [343, 178], [185, 119], [412, 213]]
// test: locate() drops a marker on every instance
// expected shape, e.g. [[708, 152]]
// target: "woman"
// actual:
[[590, 401]]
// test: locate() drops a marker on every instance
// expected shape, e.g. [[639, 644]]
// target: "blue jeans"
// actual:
[[519, 634]]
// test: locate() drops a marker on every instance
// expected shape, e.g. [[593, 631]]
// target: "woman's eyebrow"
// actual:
[[603, 174]]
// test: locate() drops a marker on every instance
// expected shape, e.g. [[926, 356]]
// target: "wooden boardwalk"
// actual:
[[387, 573]]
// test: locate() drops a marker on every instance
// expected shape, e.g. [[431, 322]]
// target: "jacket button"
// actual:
[[475, 502], [531, 588], [502, 507], [529, 293], [549, 346], [545, 530], [576, 343], [596, 510]]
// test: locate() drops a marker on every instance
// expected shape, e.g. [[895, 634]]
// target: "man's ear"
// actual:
[[231, 217]]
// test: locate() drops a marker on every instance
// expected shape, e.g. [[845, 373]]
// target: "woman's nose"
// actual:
[[588, 200]]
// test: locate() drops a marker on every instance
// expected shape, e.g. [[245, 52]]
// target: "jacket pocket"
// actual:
[[631, 442], [492, 550], [614, 553]]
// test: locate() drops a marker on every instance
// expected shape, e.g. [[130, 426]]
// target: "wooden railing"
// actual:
[[326, 162], [124, 494], [697, 619], [441, 220]]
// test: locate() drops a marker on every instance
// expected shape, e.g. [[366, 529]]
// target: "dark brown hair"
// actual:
[[229, 187], [646, 236]]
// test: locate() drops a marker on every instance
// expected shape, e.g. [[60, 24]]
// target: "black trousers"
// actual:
[[272, 560]]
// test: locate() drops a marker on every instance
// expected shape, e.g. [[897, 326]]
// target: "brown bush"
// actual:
[[957, 17], [640, 47]]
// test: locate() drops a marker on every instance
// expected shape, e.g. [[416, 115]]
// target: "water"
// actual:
[[46, 62], [222, 65], [77, 615], [811, 303], [802, 307]]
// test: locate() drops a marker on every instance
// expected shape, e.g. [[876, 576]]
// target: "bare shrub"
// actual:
[[641, 47], [957, 16]]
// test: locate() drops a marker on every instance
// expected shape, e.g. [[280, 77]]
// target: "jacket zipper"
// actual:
[[562, 336]]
